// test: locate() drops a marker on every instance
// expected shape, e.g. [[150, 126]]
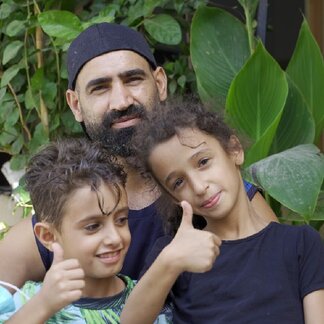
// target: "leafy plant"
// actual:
[[280, 112]]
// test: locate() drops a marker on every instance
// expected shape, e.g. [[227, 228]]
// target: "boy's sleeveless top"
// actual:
[[259, 279], [146, 227], [87, 310]]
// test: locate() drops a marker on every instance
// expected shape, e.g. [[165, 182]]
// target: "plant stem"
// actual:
[[24, 126], [249, 28]]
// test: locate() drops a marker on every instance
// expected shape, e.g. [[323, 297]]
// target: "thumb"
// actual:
[[186, 221], [58, 253]]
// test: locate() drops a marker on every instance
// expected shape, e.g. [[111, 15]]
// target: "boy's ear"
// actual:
[[236, 150], [45, 233]]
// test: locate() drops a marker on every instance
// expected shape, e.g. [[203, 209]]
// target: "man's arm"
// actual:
[[262, 208], [191, 250], [20, 259]]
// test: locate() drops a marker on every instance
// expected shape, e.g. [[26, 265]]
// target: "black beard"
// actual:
[[116, 141]]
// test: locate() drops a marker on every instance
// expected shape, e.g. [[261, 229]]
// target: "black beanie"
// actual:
[[102, 38]]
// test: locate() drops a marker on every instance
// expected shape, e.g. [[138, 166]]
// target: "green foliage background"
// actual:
[[205, 50]]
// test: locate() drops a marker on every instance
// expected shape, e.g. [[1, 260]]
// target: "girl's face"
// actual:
[[194, 167]]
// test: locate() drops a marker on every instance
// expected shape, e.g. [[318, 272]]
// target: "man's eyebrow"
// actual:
[[132, 72], [97, 81]]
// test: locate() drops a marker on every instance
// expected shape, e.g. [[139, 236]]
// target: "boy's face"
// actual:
[[194, 167], [98, 241]]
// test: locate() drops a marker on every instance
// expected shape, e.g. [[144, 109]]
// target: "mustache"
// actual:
[[132, 111]]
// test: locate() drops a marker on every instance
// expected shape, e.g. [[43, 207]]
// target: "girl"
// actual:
[[266, 272]]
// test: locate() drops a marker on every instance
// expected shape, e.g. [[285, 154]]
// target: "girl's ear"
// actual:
[[236, 150], [45, 233]]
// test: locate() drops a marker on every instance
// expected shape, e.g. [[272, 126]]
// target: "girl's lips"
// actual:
[[212, 201]]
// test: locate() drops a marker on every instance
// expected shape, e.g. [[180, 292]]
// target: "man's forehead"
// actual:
[[113, 63]]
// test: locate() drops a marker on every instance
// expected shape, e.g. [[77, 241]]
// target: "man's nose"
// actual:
[[121, 98]]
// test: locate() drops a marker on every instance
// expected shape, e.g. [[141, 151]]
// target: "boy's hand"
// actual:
[[191, 249], [63, 282]]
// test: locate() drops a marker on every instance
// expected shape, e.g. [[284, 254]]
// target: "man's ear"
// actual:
[[161, 81], [45, 233], [72, 98], [236, 150]]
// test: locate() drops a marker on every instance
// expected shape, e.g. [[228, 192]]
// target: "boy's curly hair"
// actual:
[[162, 123], [63, 166]]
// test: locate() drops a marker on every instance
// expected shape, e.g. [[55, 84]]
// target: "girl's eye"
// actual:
[[177, 183], [203, 161], [92, 227], [122, 220]]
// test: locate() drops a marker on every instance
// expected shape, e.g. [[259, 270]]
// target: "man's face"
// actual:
[[113, 93]]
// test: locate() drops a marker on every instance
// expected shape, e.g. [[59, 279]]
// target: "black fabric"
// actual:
[[259, 279], [103, 38]]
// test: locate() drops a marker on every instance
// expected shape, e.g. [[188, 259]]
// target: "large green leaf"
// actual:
[[306, 69], [61, 24], [296, 125], [11, 51], [293, 177], [164, 28], [256, 100], [219, 48], [9, 74]]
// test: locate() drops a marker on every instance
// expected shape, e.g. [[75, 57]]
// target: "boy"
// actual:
[[78, 193]]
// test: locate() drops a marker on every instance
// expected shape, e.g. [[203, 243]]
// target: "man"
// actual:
[[113, 80]]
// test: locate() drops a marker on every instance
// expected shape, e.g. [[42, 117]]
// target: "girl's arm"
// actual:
[[62, 285], [314, 307], [191, 250]]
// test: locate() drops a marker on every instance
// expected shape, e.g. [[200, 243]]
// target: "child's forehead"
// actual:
[[192, 137]]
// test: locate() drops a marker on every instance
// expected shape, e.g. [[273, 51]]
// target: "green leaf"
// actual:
[[11, 51], [15, 27], [30, 102], [306, 69], [219, 47], [12, 119], [164, 29], [39, 138], [296, 125], [60, 23], [37, 80], [150, 5], [17, 145], [9, 74], [2, 93], [256, 100], [18, 162], [293, 177], [5, 10]]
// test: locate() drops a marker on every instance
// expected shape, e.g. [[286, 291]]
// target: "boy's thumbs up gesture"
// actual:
[[63, 282], [191, 249]]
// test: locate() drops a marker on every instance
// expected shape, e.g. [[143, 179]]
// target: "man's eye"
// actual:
[[98, 88], [121, 220], [92, 227], [134, 80]]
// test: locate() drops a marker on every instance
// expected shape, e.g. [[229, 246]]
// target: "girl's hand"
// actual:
[[191, 249]]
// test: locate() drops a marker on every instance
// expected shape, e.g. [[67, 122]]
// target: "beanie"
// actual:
[[102, 38]]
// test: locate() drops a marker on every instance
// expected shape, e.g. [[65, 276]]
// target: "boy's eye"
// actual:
[[121, 220], [92, 227]]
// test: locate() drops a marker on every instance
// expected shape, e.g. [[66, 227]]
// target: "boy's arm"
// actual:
[[62, 285], [20, 259], [314, 307], [191, 250]]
